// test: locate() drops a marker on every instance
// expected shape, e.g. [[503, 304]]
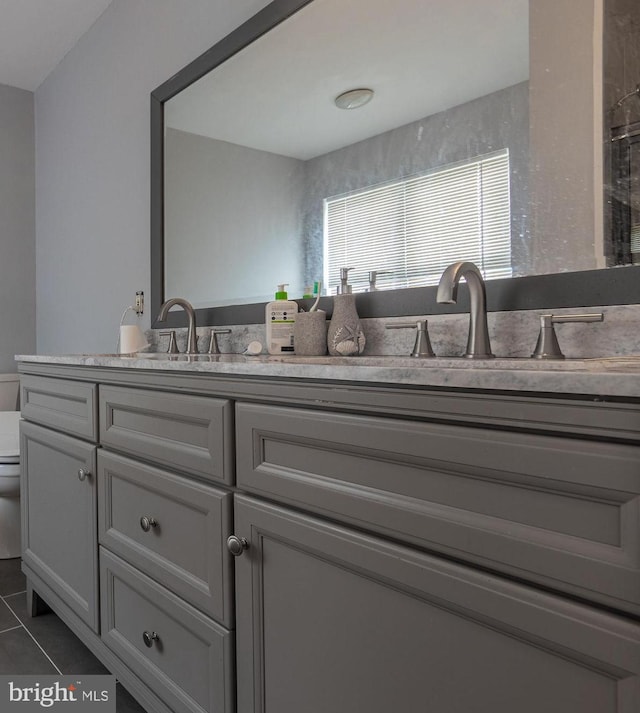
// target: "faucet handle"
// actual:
[[173, 347], [422, 347], [547, 346], [213, 343]]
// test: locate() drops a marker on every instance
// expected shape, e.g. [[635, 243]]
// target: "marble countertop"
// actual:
[[613, 376]]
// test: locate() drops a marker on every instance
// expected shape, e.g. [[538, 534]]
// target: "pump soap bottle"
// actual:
[[345, 337], [280, 316]]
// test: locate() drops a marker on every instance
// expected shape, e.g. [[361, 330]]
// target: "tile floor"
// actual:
[[43, 644]]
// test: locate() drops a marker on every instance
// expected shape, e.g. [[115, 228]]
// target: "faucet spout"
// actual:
[[478, 344], [192, 347]]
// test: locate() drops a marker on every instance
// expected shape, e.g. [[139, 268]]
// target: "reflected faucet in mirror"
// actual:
[[373, 276], [478, 345], [192, 345]]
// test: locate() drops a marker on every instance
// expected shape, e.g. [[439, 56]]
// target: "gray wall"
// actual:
[[228, 205], [92, 162], [17, 226]]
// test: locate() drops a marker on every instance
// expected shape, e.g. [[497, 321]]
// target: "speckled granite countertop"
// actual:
[[617, 376]]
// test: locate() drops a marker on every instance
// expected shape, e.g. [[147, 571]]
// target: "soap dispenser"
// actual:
[[280, 316], [344, 288], [345, 337]]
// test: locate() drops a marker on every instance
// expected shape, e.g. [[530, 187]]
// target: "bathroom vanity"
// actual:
[[284, 536]]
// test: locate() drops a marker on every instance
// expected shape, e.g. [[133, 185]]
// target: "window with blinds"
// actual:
[[413, 229]]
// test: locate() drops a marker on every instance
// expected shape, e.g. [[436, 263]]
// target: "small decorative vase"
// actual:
[[345, 337]]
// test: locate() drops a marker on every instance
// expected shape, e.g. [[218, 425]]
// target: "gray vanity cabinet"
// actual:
[[59, 516], [330, 619], [126, 515], [396, 549], [166, 576]]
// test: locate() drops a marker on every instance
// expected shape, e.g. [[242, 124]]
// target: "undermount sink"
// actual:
[[164, 356], [435, 362], [403, 362], [611, 363]]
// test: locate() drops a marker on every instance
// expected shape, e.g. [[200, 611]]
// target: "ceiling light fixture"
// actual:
[[354, 98]]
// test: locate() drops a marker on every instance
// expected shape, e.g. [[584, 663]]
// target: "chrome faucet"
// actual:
[[192, 345], [478, 345]]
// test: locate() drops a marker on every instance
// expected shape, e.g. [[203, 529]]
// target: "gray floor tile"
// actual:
[[68, 653], [125, 702], [20, 655], [11, 578], [7, 618]]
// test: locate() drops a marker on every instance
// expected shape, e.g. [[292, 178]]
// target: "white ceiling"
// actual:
[[36, 34], [420, 56]]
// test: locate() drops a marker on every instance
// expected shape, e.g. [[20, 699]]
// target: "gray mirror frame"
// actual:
[[589, 288]]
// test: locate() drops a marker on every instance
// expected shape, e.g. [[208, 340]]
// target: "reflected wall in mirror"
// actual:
[[256, 149]]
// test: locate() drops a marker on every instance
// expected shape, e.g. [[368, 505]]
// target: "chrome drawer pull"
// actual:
[[82, 474], [149, 638], [146, 523], [237, 545]]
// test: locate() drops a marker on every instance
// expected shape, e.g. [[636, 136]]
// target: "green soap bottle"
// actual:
[[280, 316]]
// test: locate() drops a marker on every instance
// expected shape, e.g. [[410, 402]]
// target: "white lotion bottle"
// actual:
[[280, 316]]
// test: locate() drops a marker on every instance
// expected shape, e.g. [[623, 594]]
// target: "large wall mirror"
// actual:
[[503, 111]]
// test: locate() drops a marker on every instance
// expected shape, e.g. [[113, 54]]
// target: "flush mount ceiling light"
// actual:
[[354, 98]]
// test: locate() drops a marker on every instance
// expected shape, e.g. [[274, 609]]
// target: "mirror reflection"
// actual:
[[456, 154]]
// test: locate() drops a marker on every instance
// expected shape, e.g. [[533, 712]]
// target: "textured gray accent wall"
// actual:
[[228, 205], [92, 162], [496, 121], [17, 226]]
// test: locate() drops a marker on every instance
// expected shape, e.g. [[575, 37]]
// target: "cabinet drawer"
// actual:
[[69, 406], [562, 512], [190, 433], [189, 665], [186, 547]]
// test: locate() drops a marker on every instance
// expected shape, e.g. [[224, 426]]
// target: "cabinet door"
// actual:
[[59, 516], [329, 619]]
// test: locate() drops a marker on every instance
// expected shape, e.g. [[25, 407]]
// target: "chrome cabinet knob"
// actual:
[[146, 523], [82, 474], [149, 638], [237, 545]]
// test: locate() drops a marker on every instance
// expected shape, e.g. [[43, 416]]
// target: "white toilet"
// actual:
[[9, 484]]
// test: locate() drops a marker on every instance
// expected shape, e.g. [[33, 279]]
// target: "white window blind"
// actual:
[[415, 228]]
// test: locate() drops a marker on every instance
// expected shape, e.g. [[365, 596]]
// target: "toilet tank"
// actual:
[[9, 392]]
